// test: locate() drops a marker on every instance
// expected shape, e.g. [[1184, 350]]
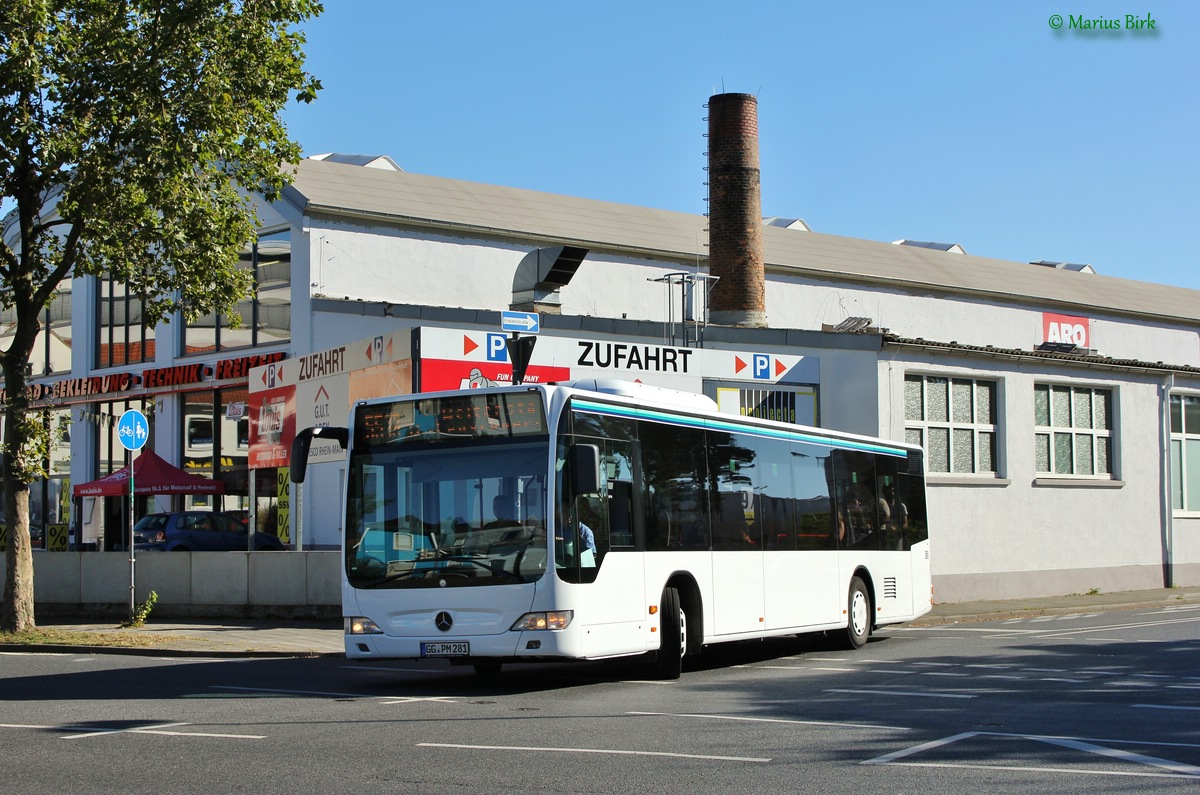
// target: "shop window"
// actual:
[[797, 405], [1073, 430], [216, 444], [104, 521], [954, 420], [1185, 452], [265, 316]]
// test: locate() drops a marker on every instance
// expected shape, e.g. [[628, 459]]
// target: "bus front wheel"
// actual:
[[858, 615], [672, 630]]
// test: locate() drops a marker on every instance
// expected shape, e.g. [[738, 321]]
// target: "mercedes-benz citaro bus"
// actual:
[[598, 519]]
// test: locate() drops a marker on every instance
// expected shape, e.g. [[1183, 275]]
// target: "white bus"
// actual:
[[636, 520]]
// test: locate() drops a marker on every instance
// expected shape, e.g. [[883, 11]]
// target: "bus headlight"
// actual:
[[358, 625], [556, 619]]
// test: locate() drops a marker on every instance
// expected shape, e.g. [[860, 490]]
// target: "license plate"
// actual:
[[458, 648]]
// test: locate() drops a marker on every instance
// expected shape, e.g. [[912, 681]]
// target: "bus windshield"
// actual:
[[447, 514]]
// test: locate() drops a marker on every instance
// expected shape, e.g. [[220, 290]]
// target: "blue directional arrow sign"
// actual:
[[133, 430], [522, 322]]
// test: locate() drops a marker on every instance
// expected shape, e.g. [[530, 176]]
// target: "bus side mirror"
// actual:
[[299, 460], [584, 460]]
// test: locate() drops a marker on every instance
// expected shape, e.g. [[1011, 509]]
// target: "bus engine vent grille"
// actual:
[[889, 588]]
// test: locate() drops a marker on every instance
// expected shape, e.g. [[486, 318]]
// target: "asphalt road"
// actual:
[[1107, 702]]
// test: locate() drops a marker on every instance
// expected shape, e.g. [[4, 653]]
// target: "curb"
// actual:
[[150, 651], [1034, 612]]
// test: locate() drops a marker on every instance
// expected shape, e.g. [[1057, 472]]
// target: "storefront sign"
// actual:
[[80, 390], [455, 359], [1066, 329]]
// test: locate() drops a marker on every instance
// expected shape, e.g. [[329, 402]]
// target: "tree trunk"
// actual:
[[17, 612]]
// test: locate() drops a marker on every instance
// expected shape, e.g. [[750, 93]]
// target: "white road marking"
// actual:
[[916, 749], [614, 752], [290, 692], [1017, 769], [160, 729], [1165, 706], [831, 724], [410, 699], [1125, 756], [135, 730], [86, 732], [387, 700], [901, 693], [1174, 769]]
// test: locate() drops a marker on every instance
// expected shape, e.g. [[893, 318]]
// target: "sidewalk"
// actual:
[[235, 638]]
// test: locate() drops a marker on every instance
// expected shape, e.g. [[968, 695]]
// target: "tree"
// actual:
[[132, 135]]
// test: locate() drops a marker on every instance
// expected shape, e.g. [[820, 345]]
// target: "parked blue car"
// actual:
[[198, 531]]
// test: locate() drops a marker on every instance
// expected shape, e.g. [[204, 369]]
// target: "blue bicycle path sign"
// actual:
[[133, 430]]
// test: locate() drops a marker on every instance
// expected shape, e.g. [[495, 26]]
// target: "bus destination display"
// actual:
[[439, 419]]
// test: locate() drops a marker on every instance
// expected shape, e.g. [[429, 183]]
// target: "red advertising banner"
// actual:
[[272, 426], [1068, 329], [442, 374]]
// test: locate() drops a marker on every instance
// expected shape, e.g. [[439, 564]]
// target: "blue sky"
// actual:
[[959, 122]]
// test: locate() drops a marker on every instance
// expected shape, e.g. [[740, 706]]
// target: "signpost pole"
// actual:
[[132, 520], [133, 430]]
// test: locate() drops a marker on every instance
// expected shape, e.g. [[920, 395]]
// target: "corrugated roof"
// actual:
[[323, 187]]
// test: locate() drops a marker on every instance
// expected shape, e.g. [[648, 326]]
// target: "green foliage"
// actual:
[[132, 137], [142, 612], [27, 462]]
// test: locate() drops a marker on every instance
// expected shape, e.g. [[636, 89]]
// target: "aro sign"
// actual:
[[1067, 329]]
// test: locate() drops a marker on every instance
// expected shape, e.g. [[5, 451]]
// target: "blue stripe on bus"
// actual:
[[733, 427]]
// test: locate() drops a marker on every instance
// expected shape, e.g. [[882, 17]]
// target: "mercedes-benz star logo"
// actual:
[[443, 621]]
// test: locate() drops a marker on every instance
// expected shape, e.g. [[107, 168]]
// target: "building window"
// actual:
[[954, 420], [1185, 452], [265, 316], [52, 349], [1073, 433], [122, 336]]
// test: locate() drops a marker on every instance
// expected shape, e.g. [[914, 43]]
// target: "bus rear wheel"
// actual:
[[672, 630], [858, 615]]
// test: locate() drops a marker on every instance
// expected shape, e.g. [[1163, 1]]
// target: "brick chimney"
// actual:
[[735, 246]]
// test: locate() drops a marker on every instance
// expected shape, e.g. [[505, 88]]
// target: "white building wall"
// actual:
[[808, 304], [1018, 533], [427, 269]]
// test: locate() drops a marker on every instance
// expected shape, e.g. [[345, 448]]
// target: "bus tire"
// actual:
[[858, 615], [672, 630]]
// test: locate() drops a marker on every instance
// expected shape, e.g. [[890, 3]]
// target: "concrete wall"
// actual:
[[209, 584]]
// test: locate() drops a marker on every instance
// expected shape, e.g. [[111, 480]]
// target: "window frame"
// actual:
[[1075, 431], [253, 307], [1182, 435], [976, 428]]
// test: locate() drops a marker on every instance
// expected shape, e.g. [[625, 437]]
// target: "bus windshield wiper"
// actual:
[[459, 557]]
